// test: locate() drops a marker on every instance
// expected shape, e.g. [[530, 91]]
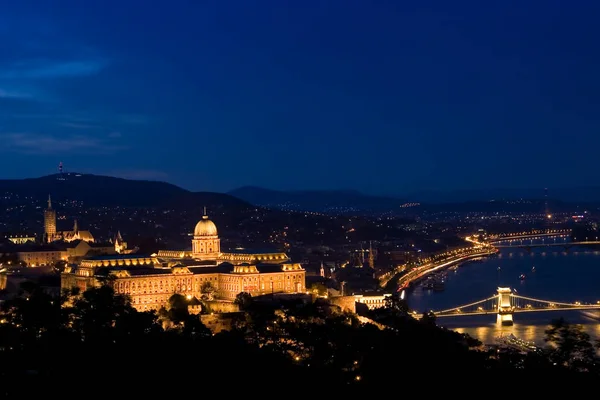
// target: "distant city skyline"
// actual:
[[382, 97]]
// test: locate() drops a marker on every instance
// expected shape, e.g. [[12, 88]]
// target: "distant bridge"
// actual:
[[566, 245], [505, 303], [530, 235]]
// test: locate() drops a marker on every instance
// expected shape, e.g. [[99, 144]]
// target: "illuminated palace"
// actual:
[[151, 280], [52, 235]]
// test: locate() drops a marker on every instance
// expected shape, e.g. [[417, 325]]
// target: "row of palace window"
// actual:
[[149, 300], [186, 283]]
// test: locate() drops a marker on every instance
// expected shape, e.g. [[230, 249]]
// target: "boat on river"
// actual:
[[516, 343]]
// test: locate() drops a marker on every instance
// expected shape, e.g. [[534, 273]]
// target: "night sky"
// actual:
[[380, 96]]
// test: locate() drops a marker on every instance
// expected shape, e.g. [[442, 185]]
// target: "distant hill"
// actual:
[[97, 190], [316, 200], [348, 201], [573, 194]]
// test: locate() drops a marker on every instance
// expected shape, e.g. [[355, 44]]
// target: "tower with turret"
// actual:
[[49, 222]]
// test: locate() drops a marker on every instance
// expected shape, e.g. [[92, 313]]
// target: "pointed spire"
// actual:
[[49, 203], [75, 227], [204, 216]]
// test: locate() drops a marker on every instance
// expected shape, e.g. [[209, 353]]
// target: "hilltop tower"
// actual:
[[49, 222]]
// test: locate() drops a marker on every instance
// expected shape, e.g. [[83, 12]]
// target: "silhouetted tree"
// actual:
[[207, 291], [318, 288], [243, 300], [396, 304], [570, 345], [178, 308], [428, 318]]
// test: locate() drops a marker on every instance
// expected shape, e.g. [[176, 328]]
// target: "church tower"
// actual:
[[49, 222], [206, 244], [120, 244]]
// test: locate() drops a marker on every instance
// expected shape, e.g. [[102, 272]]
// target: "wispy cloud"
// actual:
[[79, 125], [35, 143], [43, 69], [14, 94], [115, 134]]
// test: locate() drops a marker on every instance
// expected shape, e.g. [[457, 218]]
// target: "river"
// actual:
[[560, 276]]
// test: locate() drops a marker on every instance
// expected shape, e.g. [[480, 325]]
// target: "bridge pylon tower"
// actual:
[[505, 308]]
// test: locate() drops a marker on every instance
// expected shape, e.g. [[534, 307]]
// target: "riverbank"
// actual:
[[401, 281], [419, 273]]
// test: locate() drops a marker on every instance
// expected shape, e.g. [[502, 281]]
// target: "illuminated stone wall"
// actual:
[[346, 303], [37, 258]]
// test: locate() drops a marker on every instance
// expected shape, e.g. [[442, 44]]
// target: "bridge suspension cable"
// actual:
[[489, 301], [516, 303], [547, 302]]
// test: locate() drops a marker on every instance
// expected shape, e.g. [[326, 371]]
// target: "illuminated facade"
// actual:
[[43, 256], [204, 271], [372, 301], [21, 238], [50, 254], [120, 244], [75, 234]]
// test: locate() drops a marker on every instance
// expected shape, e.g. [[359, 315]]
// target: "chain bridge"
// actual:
[[505, 303]]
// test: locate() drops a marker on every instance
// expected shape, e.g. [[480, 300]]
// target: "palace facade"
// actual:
[[203, 271]]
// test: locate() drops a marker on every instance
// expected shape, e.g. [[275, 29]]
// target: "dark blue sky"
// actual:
[[382, 96]]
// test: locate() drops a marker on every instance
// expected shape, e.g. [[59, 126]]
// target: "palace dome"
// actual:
[[205, 227]]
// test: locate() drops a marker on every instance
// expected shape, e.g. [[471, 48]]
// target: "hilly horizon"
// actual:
[[108, 190], [316, 200], [100, 190], [581, 194]]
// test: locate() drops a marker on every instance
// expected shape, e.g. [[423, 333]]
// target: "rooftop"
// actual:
[[254, 251], [119, 257], [135, 271], [221, 268]]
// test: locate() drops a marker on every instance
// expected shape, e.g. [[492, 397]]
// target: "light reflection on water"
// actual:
[[558, 276], [526, 326]]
